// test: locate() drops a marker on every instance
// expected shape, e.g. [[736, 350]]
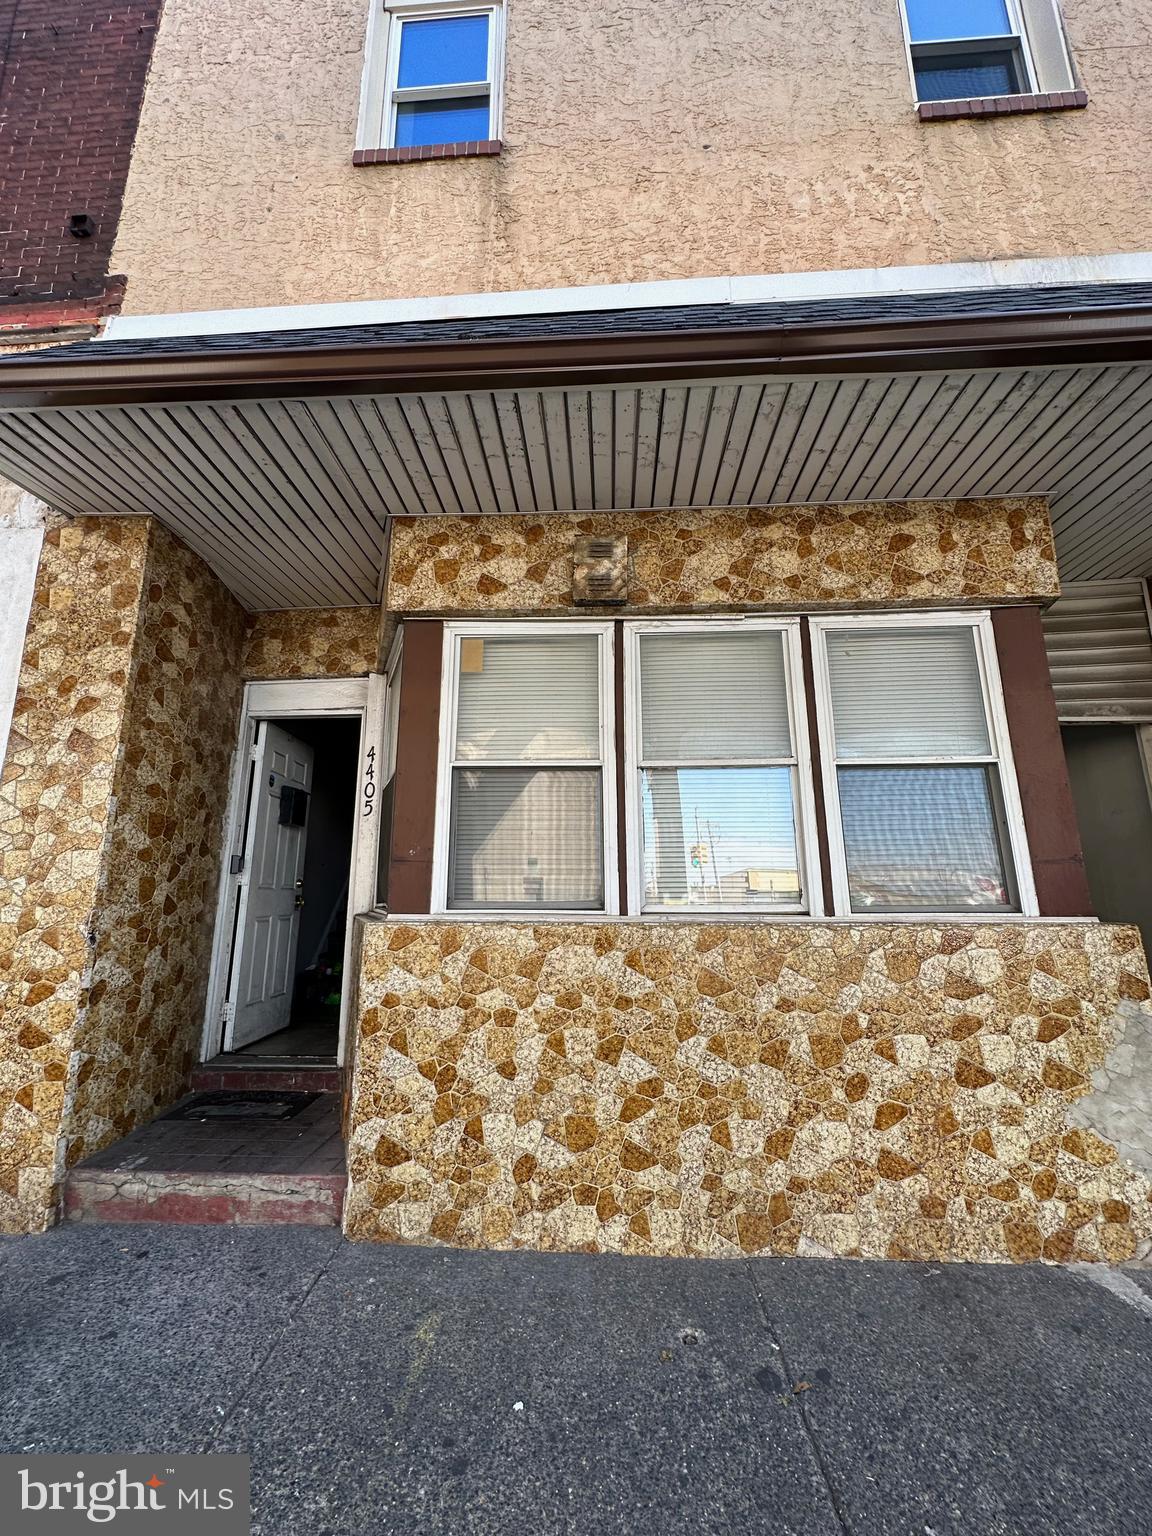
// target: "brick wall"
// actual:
[[72, 78]]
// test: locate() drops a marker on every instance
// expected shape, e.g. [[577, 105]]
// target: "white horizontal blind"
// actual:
[[906, 693], [711, 698], [1099, 645], [919, 834], [528, 699], [717, 775], [527, 821]]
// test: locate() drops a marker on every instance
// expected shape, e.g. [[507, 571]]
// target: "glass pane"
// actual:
[[455, 120], [719, 837], [714, 696], [529, 697], [956, 76], [931, 21], [906, 693], [452, 50], [923, 839], [523, 837]]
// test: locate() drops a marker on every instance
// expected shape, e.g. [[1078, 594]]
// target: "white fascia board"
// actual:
[[862, 282]]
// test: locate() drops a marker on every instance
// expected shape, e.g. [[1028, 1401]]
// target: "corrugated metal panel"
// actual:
[[1100, 650], [286, 499]]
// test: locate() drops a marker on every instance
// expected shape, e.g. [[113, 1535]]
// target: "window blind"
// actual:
[[711, 698], [900, 693], [534, 698]]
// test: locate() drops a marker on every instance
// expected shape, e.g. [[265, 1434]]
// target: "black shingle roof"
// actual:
[[782, 314]]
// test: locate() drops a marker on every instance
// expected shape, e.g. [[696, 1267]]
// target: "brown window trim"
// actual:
[[417, 760], [470, 149], [1041, 771], [1002, 106]]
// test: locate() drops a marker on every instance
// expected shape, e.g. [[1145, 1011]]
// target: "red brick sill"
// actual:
[[471, 149], [1002, 106]]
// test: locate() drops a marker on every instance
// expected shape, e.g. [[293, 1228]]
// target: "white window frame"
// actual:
[[379, 93], [1015, 41], [454, 633], [811, 902], [980, 622]]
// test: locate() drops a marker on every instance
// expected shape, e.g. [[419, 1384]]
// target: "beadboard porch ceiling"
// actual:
[[287, 499]]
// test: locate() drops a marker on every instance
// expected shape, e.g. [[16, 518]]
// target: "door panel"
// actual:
[[1110, 788], [268, 923]]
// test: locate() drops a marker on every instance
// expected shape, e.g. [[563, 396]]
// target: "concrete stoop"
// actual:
[[289, 1077], [241, 1199]]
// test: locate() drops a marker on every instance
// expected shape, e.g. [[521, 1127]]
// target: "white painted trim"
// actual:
[[980, 622], [854, 282], [450, 674], [21, 540], [711, 919], [804, 810], [349, 697]]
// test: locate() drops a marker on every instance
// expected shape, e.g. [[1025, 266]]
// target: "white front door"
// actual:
[[271, 895]]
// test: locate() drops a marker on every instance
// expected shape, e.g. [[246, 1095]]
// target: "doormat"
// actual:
[[259, 1104]]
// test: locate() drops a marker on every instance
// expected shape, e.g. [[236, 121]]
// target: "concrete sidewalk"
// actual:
[[409, 1390]]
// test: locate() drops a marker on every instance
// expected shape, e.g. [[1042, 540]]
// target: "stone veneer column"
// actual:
[[119, 746]]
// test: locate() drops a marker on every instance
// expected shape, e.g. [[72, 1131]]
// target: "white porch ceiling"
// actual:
[[287, 499]]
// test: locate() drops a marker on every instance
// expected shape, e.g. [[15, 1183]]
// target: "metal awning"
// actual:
[[279, 460]]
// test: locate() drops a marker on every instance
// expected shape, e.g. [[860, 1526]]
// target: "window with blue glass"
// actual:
[[966, 48], [442, 75]]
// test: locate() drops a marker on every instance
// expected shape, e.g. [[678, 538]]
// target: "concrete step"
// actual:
[[241, 1199], [283, 1076]]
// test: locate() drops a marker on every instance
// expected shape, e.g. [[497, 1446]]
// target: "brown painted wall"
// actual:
[[414, 791], [678, 138], [1038, 751]]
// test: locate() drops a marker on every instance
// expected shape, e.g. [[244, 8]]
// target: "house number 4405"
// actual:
[[369, 791]]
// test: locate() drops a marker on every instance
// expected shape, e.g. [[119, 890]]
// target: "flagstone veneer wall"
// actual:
[[896, 1090], [109, 833], [312, 642], [747, 558]]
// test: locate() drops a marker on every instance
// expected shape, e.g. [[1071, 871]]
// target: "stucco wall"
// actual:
[[110, 806], [673, 140], [748, 558], [898, 1091], [312, 642]]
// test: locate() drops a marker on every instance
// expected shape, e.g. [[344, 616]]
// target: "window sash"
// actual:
[[1013, 43], [396, 94], [603, 764], [1015, 850], [799, 762]]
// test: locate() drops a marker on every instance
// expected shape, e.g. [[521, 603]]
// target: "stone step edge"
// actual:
[[216, 1199], [283, 1079]]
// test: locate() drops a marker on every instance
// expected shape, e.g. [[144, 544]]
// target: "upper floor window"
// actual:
[[980, 48], [432, 74]]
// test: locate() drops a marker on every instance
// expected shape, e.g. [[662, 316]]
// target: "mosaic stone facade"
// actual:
[[887, 1090], [139, 1035], [128, 646], [312, 642], [749, 558]]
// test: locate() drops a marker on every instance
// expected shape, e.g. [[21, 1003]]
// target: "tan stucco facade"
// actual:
[[676, 140]]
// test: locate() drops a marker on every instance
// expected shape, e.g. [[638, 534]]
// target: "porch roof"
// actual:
[[279, 455]]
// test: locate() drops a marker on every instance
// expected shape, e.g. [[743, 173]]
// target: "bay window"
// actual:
[[912, 801]]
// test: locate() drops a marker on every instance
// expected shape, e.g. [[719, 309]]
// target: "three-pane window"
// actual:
[[921, 808]]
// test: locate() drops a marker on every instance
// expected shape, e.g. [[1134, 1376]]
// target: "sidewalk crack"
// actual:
[[805, 1421], [217, 1428]]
